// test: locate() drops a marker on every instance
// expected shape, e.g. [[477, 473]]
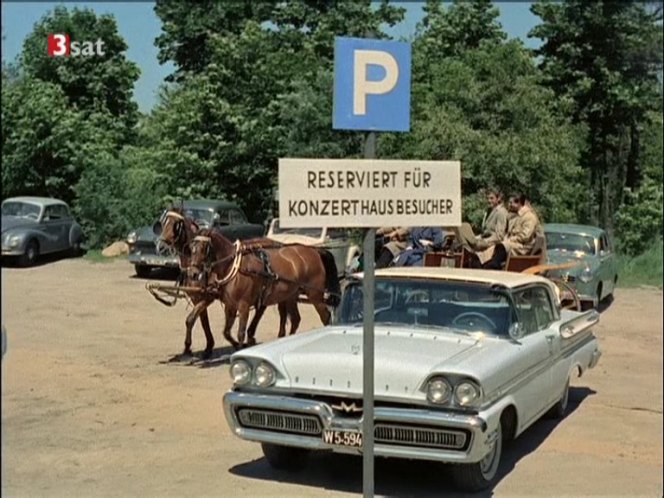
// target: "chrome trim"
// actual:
[[474, 425], [279, 421], [411, 435], [594, 359]]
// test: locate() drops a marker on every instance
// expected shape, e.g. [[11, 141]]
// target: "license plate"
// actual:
[[352, 439]]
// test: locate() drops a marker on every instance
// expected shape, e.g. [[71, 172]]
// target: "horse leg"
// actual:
[[189, 323], [209, 346], [251, 331], [294, 316], [242, 326], [284, 311], [230, 313]]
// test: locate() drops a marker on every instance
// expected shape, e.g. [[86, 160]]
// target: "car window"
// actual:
[[20, 209], [570, 242], [61, 211], [50, 213], [460, 306], [224, 216], [534, 309], [236, 217], [604, 243]]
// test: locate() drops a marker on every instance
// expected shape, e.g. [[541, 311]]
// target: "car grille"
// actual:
[[295, 423], [426, 437], [393, 434]]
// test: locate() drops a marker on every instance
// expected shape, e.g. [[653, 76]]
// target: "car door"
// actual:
[[224, 224], [535, 351], [51, 227], [239, 223]]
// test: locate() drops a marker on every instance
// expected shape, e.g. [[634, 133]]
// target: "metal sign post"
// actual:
[[368, 346]]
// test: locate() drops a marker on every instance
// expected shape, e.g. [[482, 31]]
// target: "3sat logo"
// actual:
[[60, 45]]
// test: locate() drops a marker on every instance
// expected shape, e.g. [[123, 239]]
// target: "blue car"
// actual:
[[595, 276]]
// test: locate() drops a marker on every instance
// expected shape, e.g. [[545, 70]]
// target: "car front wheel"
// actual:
[[31, 254], [284, 457], [472, 477], [142, 271]]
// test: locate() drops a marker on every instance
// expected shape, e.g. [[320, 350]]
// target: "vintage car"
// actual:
[[335, 240], [38, 225], [224, 215], [595, 276], [464, 361]]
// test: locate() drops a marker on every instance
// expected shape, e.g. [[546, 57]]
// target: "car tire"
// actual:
[[285, 457], [598, 300], [559, 410], [473, 477], [143, 271], [75, 249], [29, 257]]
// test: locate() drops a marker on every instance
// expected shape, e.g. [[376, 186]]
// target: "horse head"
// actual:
[[175, 229], [210, 252]]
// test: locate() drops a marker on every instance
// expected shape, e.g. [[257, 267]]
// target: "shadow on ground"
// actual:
[[404, 477]]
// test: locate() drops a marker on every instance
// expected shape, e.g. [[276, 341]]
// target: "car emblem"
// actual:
[[355, 349], [351, 408]]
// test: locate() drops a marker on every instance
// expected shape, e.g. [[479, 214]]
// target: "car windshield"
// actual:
[[20, 209], [570, 242], [309, 232], [200, 216], [462, 306]]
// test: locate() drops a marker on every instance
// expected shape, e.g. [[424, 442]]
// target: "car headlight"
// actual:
[[14, 240], [240, 372], [467, 393], [438, 390], [131, 238], [586, 276], [265, 375]]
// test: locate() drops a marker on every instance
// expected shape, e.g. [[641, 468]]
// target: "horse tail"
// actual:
[[332, 285]]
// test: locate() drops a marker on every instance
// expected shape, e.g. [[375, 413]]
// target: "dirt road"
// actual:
[[89, 410]]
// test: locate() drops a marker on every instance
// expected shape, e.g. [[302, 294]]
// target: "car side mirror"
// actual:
[[516, 331]]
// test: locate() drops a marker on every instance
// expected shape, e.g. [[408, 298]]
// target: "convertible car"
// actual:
[[465, 360], [335, 240]]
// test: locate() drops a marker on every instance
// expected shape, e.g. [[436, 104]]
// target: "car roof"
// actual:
[[489, 277], [573, 228], [209, 204], [43, 201]]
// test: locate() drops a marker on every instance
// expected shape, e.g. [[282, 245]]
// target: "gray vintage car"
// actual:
[[38, 225], [224, 215], [595, 275], [465, 360]]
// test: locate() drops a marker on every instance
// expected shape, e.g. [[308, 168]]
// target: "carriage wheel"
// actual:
[[567, 291]]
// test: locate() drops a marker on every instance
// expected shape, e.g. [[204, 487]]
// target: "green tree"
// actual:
[[45, 143], [483, 105], [100, 84], [604, 58]]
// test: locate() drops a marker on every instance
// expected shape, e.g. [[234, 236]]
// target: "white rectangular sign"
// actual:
[[369, 193]]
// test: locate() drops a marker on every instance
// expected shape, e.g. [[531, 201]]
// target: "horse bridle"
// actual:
[[209, 262]]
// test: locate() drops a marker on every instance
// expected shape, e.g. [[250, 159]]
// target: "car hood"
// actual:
[[10, 222], [294, 238], [330, 359]]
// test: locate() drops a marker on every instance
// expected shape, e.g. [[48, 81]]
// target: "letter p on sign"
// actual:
[[371, 85]]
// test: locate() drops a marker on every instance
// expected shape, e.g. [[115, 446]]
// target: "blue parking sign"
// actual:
[[371, 85]]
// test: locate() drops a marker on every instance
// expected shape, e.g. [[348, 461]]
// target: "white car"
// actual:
[[464, 360], [335, 240]]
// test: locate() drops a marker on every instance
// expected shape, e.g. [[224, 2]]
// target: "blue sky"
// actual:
[[139, 26]]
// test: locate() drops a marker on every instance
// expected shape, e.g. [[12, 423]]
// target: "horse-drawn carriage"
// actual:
[[534, 264]]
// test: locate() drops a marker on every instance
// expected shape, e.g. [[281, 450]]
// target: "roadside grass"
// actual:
[[644, 269], [95, 256]]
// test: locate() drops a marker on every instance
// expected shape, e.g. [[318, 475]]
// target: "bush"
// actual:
[[639, 220], [644, 269]]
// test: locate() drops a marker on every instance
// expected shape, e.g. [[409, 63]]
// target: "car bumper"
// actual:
[[480, 430], [153, 260], [12, 251]]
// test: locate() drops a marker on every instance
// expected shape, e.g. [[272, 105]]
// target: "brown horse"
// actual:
[[177, 231], [261, 277]]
